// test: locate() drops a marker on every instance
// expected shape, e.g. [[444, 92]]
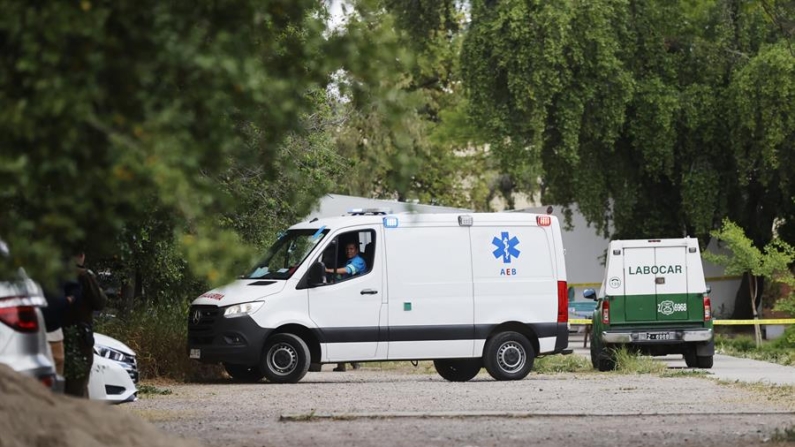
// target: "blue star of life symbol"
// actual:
[[506, 247]]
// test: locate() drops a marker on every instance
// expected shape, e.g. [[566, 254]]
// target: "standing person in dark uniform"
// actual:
[[79, 328], [57, 306]]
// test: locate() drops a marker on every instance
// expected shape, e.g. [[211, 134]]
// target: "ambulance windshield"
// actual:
[[287, 254]]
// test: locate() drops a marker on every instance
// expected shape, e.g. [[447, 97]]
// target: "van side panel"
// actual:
[[514, 277], [430, 291]]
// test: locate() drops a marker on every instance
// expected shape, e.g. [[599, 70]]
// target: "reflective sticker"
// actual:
[[212, 296]]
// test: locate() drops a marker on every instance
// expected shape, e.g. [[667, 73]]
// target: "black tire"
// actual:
[[508, 356], [458, 370], [605, 358], [690, 357], [243, 373], [285, 358], [704, 361], [602, 357], [595, 348]]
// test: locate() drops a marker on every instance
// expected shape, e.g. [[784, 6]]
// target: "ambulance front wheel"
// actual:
[[458, 370], [508, 356], [285, 358]]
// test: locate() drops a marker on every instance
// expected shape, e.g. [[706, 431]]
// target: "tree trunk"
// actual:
[[742, 311], [753, 291], [127, 296]]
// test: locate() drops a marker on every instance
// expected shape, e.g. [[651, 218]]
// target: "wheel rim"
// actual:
[[282, 359], [511, 357]]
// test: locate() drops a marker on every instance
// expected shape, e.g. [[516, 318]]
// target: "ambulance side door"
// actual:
[[347, 309]]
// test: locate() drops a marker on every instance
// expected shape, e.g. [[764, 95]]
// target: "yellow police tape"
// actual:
[[716, 322]]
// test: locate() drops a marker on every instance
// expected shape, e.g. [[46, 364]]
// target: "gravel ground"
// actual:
[[406, 407]]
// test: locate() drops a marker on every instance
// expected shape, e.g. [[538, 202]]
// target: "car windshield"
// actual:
[[287, 254]]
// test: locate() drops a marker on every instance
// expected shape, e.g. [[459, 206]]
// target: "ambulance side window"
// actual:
[[349, 256]]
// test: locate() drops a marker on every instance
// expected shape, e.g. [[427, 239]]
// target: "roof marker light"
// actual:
[[390, 222], [465, 221], [543, 221]]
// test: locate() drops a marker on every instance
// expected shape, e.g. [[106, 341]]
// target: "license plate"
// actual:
[[195, 353], [655, 336]]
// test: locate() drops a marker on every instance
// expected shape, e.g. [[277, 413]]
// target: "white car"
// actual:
[[114, 373]]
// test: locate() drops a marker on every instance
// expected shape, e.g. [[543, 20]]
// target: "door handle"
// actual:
[[369, 292]]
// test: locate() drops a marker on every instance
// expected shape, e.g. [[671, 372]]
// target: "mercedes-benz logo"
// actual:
[[197, 316]]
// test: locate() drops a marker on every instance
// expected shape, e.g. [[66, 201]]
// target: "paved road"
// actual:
[[725, 367]]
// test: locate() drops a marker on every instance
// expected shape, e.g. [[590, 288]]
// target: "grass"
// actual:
[[786, 435], [158, 332], [151, 389], [780, 350], [555, 364], [629, 362], [685, 373]]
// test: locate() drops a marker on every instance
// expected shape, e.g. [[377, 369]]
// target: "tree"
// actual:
[[654, 118], [771, 263], [435, 151], [629, 105], [119, 118]]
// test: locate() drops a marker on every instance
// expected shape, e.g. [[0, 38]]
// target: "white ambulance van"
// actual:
[[464, 290]]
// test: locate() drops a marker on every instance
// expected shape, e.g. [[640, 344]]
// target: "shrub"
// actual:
[[157, 332]]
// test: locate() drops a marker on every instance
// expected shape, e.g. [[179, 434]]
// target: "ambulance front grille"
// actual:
[[201, 320]]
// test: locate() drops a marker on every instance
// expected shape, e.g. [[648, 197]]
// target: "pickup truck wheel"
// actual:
[[595, 348], [603, 357], [704, 361], [243, 373], [285, 358], [690, 357], [508, 356], [458, 370]]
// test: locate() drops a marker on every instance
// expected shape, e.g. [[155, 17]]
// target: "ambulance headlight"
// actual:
[[243, 309]]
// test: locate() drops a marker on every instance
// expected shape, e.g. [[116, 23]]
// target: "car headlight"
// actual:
[[109, 353], [243, 309]]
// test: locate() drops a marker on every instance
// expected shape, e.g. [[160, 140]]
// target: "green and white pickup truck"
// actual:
[[653, 300]]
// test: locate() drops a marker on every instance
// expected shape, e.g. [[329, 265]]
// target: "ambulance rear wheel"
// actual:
[[243, 373], [458, 370], [704, 361], [285, 358], [508, 356]]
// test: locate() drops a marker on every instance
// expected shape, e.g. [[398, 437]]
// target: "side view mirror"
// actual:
[[317, 274], [589, 294]]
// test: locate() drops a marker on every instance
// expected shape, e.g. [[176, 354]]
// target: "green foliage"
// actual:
[[780, 350], [157, 333], [771, 263], [629, 104], [119, 117], [741, 343]]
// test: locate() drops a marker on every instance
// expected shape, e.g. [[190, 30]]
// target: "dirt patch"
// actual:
[[31, 415]]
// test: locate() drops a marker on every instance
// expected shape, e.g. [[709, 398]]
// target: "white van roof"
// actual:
[[423, 218]]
